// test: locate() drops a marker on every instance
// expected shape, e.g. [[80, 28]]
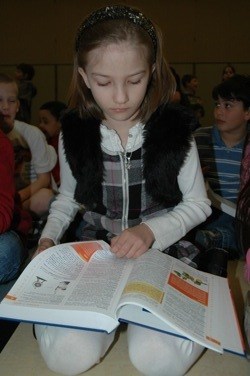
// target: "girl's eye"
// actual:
[[102, 83], [135, 82]]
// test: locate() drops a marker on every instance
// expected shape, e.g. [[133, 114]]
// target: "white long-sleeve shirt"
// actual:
[[167, 227]]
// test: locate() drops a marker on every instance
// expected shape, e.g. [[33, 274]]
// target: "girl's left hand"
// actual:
[[132, 242]]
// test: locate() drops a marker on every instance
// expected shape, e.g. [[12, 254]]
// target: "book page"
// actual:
[[77, 276], [178, 294]]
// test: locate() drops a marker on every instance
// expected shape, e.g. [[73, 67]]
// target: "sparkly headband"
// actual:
[[116, 12]]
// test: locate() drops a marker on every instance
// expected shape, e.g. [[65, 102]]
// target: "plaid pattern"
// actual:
[[125, 201]]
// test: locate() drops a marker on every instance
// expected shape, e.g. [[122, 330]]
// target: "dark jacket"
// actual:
[[166, 144]]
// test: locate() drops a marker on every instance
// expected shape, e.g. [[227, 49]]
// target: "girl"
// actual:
[[130, 161]]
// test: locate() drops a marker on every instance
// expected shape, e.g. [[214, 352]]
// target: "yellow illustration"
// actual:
[[146, 289]]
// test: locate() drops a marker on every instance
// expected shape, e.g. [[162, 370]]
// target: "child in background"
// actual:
[[128, 157], [26, 90], [49, 123], [228, 72], [34, 158], [14, 222], [190, 85], [220, 148], [199, 113]]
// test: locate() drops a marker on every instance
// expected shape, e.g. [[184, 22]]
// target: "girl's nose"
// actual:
[[120, 95]]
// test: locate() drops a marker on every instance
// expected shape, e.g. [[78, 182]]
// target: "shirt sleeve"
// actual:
[[7, 188], [64, 207], [171, 226], [44, 156]]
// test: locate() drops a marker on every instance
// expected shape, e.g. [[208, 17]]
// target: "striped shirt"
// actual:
[[222, 163]]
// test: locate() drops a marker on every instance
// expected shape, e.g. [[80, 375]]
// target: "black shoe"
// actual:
[[214, 261], [206, 239]]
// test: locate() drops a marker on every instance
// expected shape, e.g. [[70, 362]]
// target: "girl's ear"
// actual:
[[84, 77]]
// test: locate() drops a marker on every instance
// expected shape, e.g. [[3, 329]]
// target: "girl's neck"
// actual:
[[122, 129]]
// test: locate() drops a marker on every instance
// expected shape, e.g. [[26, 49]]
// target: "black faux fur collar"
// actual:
[[166, 143]]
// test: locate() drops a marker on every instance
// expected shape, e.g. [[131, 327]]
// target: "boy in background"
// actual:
[[220, 149]]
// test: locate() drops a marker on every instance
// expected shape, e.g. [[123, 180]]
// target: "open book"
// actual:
[[84, 285]]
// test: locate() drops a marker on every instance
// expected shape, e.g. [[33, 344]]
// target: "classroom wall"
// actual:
[[200, 37]]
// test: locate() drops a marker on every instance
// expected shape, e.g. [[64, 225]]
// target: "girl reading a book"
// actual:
[[128, 159]]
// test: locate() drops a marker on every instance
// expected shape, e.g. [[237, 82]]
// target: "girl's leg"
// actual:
[[71, 351], [11, 256], [160, 354]]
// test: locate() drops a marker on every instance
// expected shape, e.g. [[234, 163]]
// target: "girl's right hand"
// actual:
[[43, 244]]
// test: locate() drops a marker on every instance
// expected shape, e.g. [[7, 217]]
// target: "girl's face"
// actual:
[[230, 115], [48, 124], [118, 76], [9, 104]]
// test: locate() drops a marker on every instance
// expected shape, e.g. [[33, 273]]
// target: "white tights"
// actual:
[[71, 351]]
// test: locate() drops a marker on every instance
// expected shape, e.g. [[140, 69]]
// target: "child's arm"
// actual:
[[167, 227], [43, 181], [194, 208], [132, 242]]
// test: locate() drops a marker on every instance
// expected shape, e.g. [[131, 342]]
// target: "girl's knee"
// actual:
[[69, 351], [158, 354]]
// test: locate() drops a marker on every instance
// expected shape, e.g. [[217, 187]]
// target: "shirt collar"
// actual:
[[111, 141]]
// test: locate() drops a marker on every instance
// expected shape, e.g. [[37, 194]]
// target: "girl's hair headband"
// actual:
[[116, 12]]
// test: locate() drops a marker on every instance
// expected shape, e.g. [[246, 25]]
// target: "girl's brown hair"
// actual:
[[161, 85]]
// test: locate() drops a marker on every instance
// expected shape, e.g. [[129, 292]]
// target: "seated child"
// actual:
[[14, 222], [34, 158], [220, 149]]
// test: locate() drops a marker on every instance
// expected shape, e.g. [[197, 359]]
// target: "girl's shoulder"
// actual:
[[72, 120], [172, 121]]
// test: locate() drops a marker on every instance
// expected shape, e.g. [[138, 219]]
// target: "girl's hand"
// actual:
[[43, 244], [132, 242]]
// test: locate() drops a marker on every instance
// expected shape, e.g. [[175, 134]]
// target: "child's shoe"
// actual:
[[208, 239]]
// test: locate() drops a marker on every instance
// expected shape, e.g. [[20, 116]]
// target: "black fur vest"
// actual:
[[166, 143]]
